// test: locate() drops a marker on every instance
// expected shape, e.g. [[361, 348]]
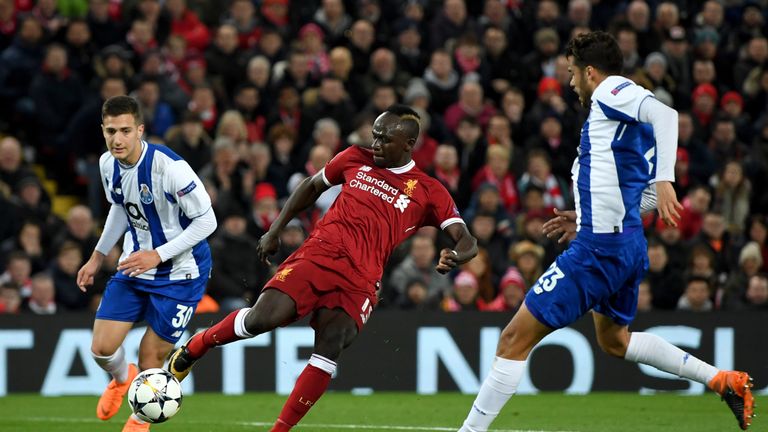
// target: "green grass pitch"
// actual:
[[547, 412]]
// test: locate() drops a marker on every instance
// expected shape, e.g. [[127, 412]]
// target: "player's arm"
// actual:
[[465, 248], [114, 228], [664, 122], [305, 195]]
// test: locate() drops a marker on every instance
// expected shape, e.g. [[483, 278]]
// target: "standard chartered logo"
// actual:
[[376, 187], [402, 202]]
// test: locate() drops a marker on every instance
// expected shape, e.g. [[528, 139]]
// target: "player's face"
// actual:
[[579, 83], [123, 137], [391, 145]]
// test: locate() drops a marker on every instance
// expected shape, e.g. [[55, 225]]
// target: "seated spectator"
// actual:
[[17, 271], [732, 195], [496, 172], [511, 292], [539, 173], [696, 297], [10, 299], [644, 296], [79, 230], [527, 256], [42, 298], [190, 141], [665, 282], [465, 294], [756, 297], [416, 297], [419, 264], [237, 276], [480, 266], [264, 209], [750, 263], [28, 240], [64, 273], [471, 103]]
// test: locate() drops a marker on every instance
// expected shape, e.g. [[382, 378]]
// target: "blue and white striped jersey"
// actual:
[[160, 194], [616, 159]]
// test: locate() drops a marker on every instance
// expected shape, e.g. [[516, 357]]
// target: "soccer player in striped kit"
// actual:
[[164, 215], [628, 141]]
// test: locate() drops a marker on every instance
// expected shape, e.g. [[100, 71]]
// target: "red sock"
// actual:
[[310, 385], [221, 333]]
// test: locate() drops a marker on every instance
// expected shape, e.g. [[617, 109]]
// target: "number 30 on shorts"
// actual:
[[548, 280], [182, 316]]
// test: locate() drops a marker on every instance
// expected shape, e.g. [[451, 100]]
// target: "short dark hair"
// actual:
[[408, 116], [119, 105], [597, 49], [698, 278]]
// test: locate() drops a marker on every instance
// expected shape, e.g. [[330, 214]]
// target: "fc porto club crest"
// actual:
[[145, 195]]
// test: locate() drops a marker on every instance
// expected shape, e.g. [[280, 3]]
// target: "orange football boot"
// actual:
[[735, 388], [133, 425], [112, 398]]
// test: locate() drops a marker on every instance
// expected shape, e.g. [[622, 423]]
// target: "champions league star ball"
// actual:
[[155, 395]]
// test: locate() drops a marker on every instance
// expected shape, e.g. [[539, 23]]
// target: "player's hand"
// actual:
[[448, 261], [562, 226], [139, 262], [268, 245], [667, 204], [88, 271]]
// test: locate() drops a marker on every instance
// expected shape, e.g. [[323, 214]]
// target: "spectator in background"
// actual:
[[225, 62], [732, 105], [10, 300], [190, 141], [482, 268], [503, 64], [471, 103], [158, 115], [411, 58], [291, 238], [79, 230], [644, 297], [334, 20], [735, 288], [232, 126], [185, 23], [105, 30], [626, 37], [341, 66], [237, 276], [757, 231], [695, 204], [242, 16], [699, 154], [496, 172], [319, 156], [449, 24], [418, 265], [223, 174], [732, 197], [676, 50], [465, 294], [442, 81], [8, 23], [665, 282], [446, 170], [487, 199], [12, 166], [639, 18], [511, 292], [527, 256], [539, 173], [384, 71], [28, 240], [19, 63], [417, 297], [332, 102], [64, 273], [264, 209], [42, 298], [203, 103], [512, 106], [483, 227], [540, 62], [18, 269], [696, 297], [756, 297], [724, 144]]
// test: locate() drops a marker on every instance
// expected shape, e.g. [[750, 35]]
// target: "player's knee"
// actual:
[[101, 350], [258, 323], [332, 341], [152, 359]]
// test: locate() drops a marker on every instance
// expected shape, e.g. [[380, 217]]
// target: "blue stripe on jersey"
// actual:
[[614, 114], [170, 198], [625, 147], [584, 182], [201, 252], [144, 175], [166, 151], [117, 179]]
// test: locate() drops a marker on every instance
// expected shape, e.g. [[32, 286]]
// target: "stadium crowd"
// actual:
[[257, 95]]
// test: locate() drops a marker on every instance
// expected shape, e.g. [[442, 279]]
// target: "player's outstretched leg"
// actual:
[[230, 329], [122, 373], [735, 388], [135, 424]]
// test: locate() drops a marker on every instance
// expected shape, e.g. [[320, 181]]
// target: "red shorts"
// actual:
[[313, 287]]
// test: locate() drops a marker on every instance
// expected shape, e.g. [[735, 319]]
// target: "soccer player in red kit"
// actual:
[[335, 274]]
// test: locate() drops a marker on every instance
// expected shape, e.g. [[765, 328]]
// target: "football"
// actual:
[[155, 395]]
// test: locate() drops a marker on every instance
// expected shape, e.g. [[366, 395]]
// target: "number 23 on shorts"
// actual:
[[548, 280]]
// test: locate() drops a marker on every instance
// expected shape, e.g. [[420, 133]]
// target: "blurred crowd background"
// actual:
[[258, 94]]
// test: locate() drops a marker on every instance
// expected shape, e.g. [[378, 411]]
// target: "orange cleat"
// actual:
[[133, 425], [112, 398], [735, 388]]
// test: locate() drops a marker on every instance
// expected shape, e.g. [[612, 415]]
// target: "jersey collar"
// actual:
[[144, 147], [403, 169]]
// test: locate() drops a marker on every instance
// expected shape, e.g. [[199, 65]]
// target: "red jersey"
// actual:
[[377, 209]]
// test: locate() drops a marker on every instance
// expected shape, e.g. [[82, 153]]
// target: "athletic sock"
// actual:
[[652, 350], [115, 364], [496, 390], [230, 329], [310, 385]]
